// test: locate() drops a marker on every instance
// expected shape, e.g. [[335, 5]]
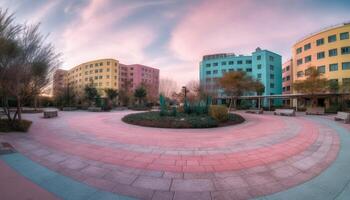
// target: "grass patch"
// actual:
[[21, 126], [181, 120]]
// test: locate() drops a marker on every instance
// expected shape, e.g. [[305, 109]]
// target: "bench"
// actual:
[[95, 109], [343, 116], [69, 108], [50, 113], [315, 111], [255, 111], [284, 112]]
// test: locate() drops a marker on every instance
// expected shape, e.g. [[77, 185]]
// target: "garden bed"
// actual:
[[21, 126], [181, 120]]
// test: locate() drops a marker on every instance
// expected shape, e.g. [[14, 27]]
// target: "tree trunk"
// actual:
[[19, 108], [229, 105]]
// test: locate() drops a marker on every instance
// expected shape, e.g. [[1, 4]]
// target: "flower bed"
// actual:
[[181, 120]]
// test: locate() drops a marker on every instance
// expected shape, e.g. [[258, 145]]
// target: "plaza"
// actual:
[[266, 157]]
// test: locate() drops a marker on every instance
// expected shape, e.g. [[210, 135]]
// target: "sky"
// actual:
[[173, 35]]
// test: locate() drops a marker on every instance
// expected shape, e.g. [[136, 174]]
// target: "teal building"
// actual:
[[263, 65]]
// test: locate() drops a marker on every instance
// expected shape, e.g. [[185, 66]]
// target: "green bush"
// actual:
[[21, 126], [218, 112]]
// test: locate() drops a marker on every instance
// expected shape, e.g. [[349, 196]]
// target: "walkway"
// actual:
[[270, 156]]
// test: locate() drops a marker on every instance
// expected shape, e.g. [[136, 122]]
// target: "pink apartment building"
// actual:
[[287, 79], [132, 76]]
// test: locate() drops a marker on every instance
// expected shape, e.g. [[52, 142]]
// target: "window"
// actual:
[[258, 57], [223, 71], [271, 58], [239, 69], [259, 66], [86, 73], [287, 68], [307, 59], [288, 88], [332, 52], [299, 61], [346, 81], [307, 71], [86, 79], [344, 36], [101, 63], [320, 42], [108, 63], [320, 55], [108, 69], [299, 50], [96, 70], [271, 67], [307, 46], [231, 70], [208, 72], [300, 74], [107, 76], [345, 66], [215, 71], [96, 77], [283, 89], [288, 78], [249, 70], [101, 70], [207, 65], [272, 76], [248, 62], [333, 67], [321, 69], [259, 75], [230, 62], [272, 85], [223, 63], [91, 65], [345, 50], [332, 38], [215, 64], [96, 64], [239, 62]]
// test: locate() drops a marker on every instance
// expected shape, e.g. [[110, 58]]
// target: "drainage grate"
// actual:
[[6, 148]]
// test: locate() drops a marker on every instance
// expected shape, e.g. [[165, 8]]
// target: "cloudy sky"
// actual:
[[172, 35]]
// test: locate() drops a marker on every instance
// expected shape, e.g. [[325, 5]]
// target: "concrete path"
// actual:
[[267, 157]]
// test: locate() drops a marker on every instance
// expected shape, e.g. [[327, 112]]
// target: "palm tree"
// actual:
[[111, 94], [140, 93]]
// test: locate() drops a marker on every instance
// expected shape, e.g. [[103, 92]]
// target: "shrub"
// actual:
[[21, 126], [218, 112]]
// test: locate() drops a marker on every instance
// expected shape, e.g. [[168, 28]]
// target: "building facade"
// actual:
[[108, 73], [328, 51], [287, 77], [263, 65], [132, 76], [58, 81], [103, 73]]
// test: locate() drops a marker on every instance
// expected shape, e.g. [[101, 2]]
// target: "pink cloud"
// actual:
[[234, 26], [94, 35]]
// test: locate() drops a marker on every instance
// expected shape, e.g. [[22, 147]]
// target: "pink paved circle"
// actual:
[[264, 155]]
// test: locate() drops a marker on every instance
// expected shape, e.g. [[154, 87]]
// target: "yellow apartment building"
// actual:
[[327, 50], [102, 73]]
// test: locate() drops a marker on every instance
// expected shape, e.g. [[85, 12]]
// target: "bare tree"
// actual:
[[167, 87], [26, 63]]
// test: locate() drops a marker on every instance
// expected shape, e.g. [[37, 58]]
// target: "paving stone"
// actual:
[[197, 185], [233, 182], [73, 164], [94, 171], [141, 193], [192, 196], [163, 195], [152, 183], [56, 158], [120, 177]]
